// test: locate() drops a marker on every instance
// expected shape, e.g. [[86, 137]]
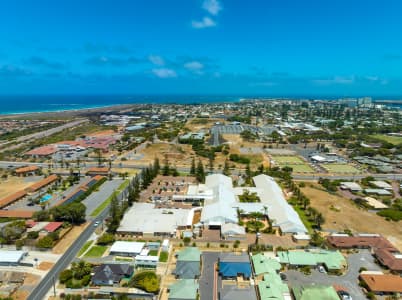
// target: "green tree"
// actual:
[[200, 173], [45, 243], [192, 169]]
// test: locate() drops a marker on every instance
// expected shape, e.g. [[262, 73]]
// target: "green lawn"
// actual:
[[163, 257], [387, 138], [304, 168], [96, 251], [153, 253], [105, 203], [285, 160], [304, 218], [340, 168], [84, 248]]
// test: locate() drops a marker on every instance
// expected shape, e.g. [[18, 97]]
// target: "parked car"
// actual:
[[344, 295]]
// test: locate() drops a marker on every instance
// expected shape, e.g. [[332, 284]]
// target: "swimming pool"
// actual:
[[45, 198]]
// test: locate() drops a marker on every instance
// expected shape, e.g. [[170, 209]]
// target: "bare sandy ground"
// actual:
[[350, 216]]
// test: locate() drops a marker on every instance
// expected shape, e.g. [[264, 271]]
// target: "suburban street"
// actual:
[[46, 284], [207, 278], [392, 176]]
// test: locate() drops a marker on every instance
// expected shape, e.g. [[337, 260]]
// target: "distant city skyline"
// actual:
[[211, 47]]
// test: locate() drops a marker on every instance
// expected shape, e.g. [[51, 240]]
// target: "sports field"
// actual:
[[286, 160], [388, 138], [304, 168], [340, 168]]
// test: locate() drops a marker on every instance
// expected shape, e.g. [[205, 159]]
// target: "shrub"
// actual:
[[147, 281], [33, 235], [45, 243], [65, 275], [106, 239]]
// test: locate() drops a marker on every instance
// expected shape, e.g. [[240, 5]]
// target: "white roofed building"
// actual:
[[123, 248]]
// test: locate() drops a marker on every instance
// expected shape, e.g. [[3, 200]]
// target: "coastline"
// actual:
[[66, 113]]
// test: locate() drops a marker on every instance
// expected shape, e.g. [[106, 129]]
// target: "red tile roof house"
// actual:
[[52, 226], [385, 252], [42, 151]]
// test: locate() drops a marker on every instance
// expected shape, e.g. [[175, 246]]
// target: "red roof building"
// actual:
[[52, 226]]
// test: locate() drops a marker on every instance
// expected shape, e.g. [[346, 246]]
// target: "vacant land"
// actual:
[[13, 184], [341, 213], [178, 155], [69, 238], [390, 139], [340, 168]]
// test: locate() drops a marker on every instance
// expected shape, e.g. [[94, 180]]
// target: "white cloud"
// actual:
[[194, 66], [212, 6], [204, 23], [156, 60], [164, 73]]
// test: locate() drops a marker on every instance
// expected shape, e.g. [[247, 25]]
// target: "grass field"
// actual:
[[340, 168], [96, 251], [390, 139], [305, 168], [286, 160], [84, 248]]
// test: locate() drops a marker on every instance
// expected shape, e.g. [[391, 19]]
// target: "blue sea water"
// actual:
[[31, 104]]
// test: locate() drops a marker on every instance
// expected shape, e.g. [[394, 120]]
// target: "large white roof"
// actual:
[[279, 211], [127, 247], [11, 256], [143, 217]]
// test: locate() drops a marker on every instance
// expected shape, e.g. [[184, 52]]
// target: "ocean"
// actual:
[[32, 104]]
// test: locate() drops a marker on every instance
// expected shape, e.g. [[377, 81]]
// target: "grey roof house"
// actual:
[[188, 263], [110, 274]]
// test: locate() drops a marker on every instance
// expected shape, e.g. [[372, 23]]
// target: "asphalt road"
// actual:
[[393, 176], [46, 283], [42, 134], [97, 197], [207, 278]]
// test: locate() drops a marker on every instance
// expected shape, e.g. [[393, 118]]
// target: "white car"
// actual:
[[96, 224], [321, 269]]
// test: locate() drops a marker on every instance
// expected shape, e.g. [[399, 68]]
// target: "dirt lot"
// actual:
[[179, 155], [340, 214], [201, 124], [45, 265], [29, 283], [68, 239], [12, 184]]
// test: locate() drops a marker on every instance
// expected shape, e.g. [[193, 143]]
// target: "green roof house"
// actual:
[[184, 289], [263, 264], [272, 288], [315, 292]]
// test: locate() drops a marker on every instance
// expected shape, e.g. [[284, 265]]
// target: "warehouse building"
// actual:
[[11, 258], [143, 219]]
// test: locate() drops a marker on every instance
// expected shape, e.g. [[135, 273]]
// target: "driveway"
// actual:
[[208, 275], [349, 281]]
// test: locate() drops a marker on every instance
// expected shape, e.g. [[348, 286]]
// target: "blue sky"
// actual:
[[266, 47]]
